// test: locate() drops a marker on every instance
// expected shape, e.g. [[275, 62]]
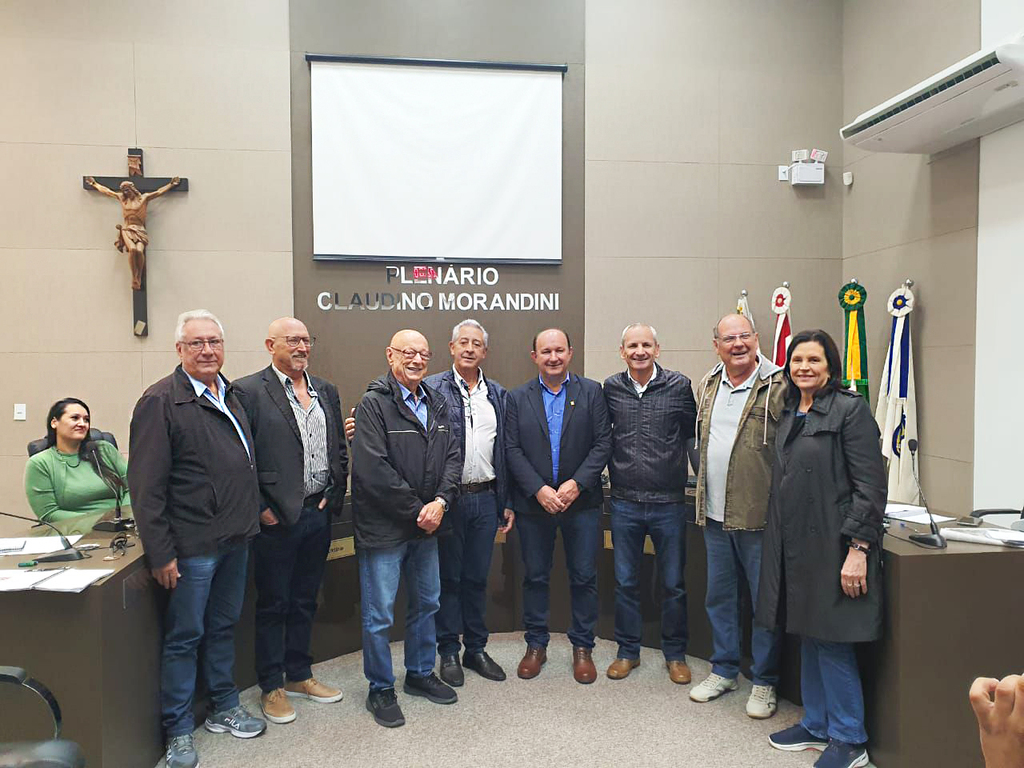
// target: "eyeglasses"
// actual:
[[410, 354], [746, 336], [294, 341], [198, 344]]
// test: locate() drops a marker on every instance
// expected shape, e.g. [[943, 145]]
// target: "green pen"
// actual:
[[28, 564]]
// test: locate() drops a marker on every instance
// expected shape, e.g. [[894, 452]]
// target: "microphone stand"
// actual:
[[934, 539], [117, 524], [69, 553]]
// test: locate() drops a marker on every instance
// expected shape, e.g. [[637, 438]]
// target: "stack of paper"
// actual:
[[51, 579], [912, 514], [34, 545]]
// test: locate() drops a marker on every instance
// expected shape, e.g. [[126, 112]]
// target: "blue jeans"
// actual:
[[202, 612], [732, 554], [289, 564], [581, 538], [831, 690], [631, 522], [465, 560], [379, 573]]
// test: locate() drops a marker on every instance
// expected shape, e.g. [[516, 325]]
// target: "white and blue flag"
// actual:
[[896, 413]]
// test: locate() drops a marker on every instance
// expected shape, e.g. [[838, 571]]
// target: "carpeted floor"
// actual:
[[644, 720]]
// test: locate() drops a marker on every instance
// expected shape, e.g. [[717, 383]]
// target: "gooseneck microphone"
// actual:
[[934, 539], [69, 553], [117, 524]]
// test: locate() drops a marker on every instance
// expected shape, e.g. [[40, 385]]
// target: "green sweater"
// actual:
[[62, 486]]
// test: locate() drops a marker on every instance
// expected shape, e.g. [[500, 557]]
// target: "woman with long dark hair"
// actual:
[[66, 481], [821, 562]]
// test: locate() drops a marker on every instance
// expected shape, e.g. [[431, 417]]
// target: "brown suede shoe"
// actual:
[[583, 668], [621, 668], [533, 660], [678, 672]]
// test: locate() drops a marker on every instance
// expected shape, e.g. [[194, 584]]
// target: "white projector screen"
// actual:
[[436, 163]]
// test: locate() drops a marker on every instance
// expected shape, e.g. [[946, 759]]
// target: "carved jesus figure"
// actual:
[[131, 236]]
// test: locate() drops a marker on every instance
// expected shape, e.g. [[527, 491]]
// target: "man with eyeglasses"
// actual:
[[739, 404], [406, 466], [195, 498], [302, 465]]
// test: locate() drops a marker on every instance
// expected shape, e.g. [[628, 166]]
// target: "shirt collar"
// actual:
[[199, 387], [636, 383], [285, 379], [407, 393], [560, 391], [746, 384], [481, 383]]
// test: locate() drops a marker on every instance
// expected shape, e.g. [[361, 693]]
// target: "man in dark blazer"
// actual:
[[302, 466], [558, 440]]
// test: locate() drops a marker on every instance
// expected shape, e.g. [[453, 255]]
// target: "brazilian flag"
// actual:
[[852, 298]]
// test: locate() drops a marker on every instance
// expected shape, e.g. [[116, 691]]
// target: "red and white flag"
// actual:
[[783, 332]]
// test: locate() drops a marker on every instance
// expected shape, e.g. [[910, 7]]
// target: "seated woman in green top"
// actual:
[[65, 481]]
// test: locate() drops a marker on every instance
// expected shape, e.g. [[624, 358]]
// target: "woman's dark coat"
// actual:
[[828, 486]]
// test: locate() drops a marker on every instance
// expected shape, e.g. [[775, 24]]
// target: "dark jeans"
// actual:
[[464, 558], [581, 538], [289, 565], [379, 574], [831, 689], [202, 611], [632, 521]]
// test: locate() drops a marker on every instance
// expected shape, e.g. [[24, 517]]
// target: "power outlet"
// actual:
[[20, 412], [783, 173]]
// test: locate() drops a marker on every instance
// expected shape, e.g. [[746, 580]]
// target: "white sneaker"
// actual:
[[712, 687], [762, 703]]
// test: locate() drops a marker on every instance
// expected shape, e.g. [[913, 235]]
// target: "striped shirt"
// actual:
[[313, 433]]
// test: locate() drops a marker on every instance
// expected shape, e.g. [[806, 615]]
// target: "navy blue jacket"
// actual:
[[446, 384]]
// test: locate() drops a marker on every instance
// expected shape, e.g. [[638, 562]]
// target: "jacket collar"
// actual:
[[765, 369], [275, 389], [184, 389]]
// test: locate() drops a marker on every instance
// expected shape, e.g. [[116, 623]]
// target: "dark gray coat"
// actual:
[[828, 486]]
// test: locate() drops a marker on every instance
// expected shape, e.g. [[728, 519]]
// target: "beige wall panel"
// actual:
[[899, 198], [944, 379], [793, 36], [948, 485], [761, 217], [644, 109], [620, 33], [181, 105], [245, 290], [71, 217], [944, 270], [814, 284], [62, 91], [677, 296], [651, 209], [160, 359], [804, 113], [237, 201], [108, 381], [12, 497], [61, 291], [226, 23]]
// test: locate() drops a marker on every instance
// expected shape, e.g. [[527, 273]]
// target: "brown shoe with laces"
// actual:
[[533, 660], [678, 672], [313, 690], [276, 707], [583, 668], [621, 668]]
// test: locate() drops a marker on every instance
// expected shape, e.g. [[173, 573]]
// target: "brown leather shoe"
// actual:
[[678, 672], [583, 668], [621, 668], [533, 660]]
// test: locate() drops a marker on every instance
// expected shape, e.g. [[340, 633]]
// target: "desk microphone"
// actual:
[[69, 553], [117, 524], [934, 539]]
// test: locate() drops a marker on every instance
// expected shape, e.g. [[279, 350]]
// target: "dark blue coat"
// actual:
[[446, 384]]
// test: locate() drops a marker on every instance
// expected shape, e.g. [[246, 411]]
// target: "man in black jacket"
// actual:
[[652, 412], [558, 441], [302, 465], [195, 499], [405, 475]]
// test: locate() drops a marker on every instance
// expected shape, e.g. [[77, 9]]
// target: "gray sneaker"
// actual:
[[237, 721], [181, 752]]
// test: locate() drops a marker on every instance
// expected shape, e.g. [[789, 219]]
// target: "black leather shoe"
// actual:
[[451, 670], [383, 705], [483, 665], [430, 688]]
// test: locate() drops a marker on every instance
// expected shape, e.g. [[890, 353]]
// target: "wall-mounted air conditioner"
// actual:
[[976, 96]]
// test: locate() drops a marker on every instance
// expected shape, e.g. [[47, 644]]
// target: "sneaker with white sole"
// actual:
[[796, 738], [313, 690], [839, 754], [712, 687], [181, 752], [237, 721], [276, 707], [762, 702]]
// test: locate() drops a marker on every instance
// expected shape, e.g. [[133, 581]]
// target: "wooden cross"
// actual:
[[134, 193]]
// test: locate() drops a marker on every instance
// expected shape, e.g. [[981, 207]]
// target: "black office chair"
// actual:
[[1018, 525], [94, 434], [53, 753]]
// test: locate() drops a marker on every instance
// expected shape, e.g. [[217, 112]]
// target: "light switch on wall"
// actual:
[[19, 412]]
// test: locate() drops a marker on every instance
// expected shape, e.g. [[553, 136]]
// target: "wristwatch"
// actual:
[[444, 504]]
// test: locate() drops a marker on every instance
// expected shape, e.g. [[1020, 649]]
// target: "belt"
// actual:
[[487, 485]]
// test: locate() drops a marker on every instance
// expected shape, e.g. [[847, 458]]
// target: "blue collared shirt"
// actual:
[[203, 391], [417, 406], [554, 408]]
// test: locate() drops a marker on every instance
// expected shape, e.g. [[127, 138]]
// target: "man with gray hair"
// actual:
[[195, 499], [652, 412], [740, 402]]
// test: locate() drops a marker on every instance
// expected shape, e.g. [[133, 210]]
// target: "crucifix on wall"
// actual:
[[134, 193]]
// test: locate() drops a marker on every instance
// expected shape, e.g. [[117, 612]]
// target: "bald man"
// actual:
[[406, 468], [303, 466]]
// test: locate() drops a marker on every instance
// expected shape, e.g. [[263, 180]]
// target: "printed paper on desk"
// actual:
[[912, 514], [74, 579], [35, 545], [18, 580]]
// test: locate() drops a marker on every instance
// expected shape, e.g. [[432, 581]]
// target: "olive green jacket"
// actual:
[[750, 465]]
